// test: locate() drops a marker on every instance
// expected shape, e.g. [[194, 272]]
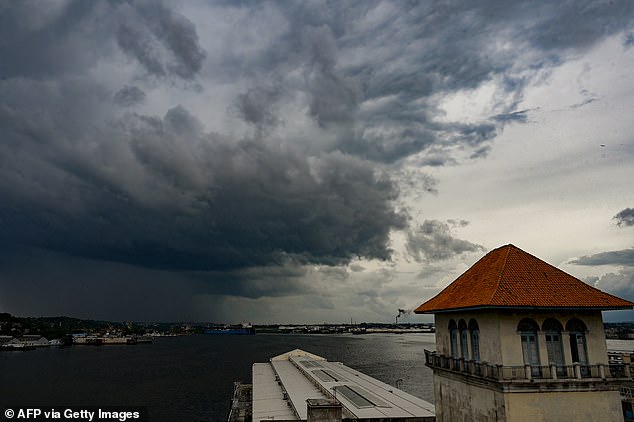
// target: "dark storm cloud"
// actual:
[[37, 283], [580, 25], [371, 70], [433, 241], [129, 96], [68, 38], [84, 176], [413, 137], [515, 116], [257, 106], [334, 98], [52, 39], [163, 41], [163, 194], [142, 47], [625, 217], [623, 257], [275, 281]]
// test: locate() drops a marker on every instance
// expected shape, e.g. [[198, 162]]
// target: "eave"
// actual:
[[526, 308]]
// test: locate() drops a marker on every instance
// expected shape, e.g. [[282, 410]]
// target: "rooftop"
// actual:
[[282, 387], [508, 277]]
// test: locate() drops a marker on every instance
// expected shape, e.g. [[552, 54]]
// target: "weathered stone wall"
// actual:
[[320, 410], [591, 406], [457, 401]]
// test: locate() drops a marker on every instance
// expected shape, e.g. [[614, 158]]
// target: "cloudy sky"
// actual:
[[306, 161]]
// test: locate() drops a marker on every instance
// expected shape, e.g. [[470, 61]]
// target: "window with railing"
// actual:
[[474, 332], [554, 343], [453, 338], [464, 339], [530, 349]]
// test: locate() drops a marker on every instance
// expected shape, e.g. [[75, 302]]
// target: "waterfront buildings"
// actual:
[[520, 340], [24, 342]]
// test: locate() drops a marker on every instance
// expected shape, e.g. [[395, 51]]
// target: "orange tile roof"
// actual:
[[509, 277]]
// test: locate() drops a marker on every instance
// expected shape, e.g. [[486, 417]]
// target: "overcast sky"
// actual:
[[306, 161]]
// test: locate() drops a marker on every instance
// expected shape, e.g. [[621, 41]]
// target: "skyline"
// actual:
[[290, 162]]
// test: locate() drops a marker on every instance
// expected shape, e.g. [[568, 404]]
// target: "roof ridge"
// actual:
[[497, 285], [499, 280]]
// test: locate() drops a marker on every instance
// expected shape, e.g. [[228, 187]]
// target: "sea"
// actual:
[[191, 378]]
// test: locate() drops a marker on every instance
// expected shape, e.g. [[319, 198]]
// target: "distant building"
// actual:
[[300, 386], [520, 340], [5, 340], [79, 335], [34, 340]]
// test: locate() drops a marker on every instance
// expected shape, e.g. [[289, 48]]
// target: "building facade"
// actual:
[[520, 340]]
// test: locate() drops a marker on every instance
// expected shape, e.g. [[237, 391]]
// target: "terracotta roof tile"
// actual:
[[509, 277]]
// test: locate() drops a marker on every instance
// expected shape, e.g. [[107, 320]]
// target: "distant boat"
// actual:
[[17, 346], [56, 342], [241, 329], [93, 340]]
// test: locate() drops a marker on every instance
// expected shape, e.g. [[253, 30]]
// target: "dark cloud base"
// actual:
[[433, 241], [623, 257], [187, 200]]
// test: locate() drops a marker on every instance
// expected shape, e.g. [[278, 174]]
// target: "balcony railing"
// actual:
[[502, 373]]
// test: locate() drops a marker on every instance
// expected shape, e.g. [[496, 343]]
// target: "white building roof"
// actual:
[[281, 388], [267, 396]]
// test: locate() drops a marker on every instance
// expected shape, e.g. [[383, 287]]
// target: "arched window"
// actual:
[[552, 331], [464, 339], [578, 349], [528, 333], [474, 332], [453, 338]]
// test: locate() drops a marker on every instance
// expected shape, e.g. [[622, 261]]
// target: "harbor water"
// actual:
[[191, 378]]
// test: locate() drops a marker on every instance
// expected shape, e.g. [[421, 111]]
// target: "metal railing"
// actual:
[[526, 372]]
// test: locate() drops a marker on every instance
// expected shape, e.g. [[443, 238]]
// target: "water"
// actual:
[[191, 378]]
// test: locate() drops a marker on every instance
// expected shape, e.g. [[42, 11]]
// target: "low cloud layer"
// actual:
[[625, 217], [129, 96], [433, 241], [624, 257], [621, 282]]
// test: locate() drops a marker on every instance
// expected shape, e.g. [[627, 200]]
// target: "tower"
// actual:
[[520, 340]]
